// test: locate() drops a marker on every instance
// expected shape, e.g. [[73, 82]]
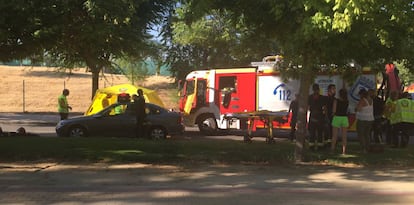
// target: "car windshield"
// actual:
[[115, 109], [152, 109]]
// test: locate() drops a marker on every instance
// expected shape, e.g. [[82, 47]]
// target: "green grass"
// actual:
[[126, 150]]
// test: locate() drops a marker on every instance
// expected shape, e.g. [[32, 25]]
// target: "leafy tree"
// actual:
[[21, 23], [215, 40], [134, 70], [407, 78], [315, 34], [79, 31]]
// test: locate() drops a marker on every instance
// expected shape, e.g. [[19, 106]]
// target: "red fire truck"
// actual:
[[209, 95]]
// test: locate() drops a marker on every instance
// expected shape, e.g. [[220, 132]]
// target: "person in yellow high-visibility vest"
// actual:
[[63, 106], [404, 120], [404, 111]]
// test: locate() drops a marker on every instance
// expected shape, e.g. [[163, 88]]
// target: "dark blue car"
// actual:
[[118, 120]]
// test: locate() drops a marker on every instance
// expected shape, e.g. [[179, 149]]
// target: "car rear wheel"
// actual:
[[157, 133], [77, 131]]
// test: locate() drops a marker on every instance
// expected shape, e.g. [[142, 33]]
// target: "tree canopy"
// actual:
[[215, 40], [318, 35], [89, 32]]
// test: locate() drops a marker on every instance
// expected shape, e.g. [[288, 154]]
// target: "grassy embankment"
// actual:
[[186, 151]]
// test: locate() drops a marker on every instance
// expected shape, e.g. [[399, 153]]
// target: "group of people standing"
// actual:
[[328, 118], [138, 103], [323, 111], [399, 112]]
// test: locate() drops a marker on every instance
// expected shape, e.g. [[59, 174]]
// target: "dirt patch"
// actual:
[[35, 89]]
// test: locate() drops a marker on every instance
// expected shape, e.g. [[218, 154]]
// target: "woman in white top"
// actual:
[[365, 118]]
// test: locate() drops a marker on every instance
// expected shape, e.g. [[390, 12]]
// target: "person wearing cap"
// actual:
[[365, 118], [63, 106]]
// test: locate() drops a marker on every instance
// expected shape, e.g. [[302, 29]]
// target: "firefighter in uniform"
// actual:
[[404, 120], [317, 117]]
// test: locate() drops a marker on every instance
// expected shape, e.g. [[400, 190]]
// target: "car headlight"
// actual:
[[60, 124]]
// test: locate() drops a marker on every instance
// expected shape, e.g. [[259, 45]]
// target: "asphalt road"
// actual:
[[38, 123], [43, 124]]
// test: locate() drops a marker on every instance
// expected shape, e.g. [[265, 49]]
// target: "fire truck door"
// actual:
[[195, 95], [201, 93], [237, 93], [187, 97]]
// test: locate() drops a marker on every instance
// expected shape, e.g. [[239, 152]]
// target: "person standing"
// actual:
[[378, 105], [389, 113], [316, 117], [404, 120], [63, 106], [340, 119], [293, 108], [330, 98], [365, 118], [140, 114]]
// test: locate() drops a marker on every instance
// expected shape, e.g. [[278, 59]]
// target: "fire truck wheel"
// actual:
[[207, 124]]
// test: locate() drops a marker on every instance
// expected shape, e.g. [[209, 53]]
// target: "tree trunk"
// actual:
[[158, 69], [301, 133], [95, 65], [95, 81], [95, 70]]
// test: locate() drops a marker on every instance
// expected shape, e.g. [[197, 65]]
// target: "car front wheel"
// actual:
[[77, 131]]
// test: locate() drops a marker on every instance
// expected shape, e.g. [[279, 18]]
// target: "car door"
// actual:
[[114, 122]]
